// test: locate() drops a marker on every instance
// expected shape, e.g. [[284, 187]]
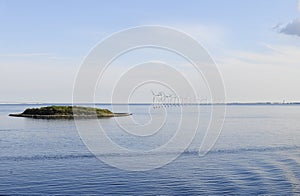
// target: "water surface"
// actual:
[[258, 152]]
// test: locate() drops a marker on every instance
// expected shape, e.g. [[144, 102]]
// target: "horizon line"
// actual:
[[147, 103]]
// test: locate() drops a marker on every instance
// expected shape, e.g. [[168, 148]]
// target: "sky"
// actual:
[[255, 44]]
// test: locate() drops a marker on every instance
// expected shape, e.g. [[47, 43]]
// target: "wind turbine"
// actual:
[[155, 99], [169, 99]]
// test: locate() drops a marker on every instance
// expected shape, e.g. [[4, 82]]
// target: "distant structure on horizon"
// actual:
[[162, 99]]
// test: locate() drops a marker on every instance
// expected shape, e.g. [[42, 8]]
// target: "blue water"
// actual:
[[258, 152]]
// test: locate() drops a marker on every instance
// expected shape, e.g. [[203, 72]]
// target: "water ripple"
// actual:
[[192, 152]]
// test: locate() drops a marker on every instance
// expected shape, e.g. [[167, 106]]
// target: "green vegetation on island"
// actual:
[[67, 112]]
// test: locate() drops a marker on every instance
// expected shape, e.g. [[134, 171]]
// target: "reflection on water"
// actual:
[[258, 152]]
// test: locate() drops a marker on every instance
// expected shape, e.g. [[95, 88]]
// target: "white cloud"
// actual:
[[26, 54], [280, 55], [210, 36], [36, 80], [272, 75]]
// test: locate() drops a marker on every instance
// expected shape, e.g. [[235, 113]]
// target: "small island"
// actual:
[[67, 112]]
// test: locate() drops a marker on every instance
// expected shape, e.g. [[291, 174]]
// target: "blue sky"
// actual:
[[255, 43]]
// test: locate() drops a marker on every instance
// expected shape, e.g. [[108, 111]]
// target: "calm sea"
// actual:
[[258, 152]]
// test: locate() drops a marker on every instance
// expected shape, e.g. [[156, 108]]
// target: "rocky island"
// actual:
[[67, 112]]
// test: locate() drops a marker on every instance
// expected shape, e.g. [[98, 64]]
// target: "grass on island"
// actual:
[[67, 111]]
